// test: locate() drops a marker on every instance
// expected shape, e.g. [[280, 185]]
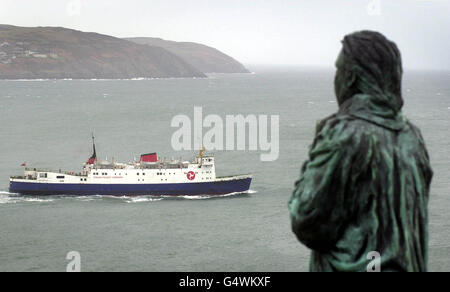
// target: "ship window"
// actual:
[[143, 173], [60, 176], [138, 173]]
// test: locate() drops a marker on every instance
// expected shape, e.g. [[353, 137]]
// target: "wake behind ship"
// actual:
[[148, 176]]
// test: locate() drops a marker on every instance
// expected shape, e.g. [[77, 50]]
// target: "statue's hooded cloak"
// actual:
[[366, 183]]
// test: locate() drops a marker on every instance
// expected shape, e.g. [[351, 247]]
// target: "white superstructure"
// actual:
[[202, 169]]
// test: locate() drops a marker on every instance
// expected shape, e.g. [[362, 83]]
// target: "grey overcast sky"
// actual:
[[288, 32]]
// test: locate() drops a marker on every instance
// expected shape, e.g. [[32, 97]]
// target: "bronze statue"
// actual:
[[366, 183]]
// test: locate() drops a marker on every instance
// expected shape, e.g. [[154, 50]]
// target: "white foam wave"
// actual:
[[142, 199], [10, 198], [200, 197], [126, 199], [6, 193], [85, 199], [203, 197], [36, 200]]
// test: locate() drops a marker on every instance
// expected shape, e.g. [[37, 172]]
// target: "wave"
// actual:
[[156, 198], [203, 197], [8, 198], [11, 198], [142, 199]]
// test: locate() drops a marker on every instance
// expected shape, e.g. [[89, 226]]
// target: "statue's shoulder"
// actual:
[[340, 124], [340, 130], [418, 137], [413, 128]]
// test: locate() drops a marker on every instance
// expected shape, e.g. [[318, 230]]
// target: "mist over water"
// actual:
[[48, 124]]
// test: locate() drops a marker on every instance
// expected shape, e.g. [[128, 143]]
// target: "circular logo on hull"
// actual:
[[190, 175]]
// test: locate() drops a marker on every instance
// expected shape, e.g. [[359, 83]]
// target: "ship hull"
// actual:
[[219, 187]]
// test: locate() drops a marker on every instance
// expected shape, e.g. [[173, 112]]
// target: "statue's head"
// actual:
[[369, 64]]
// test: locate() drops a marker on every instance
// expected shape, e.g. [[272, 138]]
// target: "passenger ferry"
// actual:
[[148, 176]]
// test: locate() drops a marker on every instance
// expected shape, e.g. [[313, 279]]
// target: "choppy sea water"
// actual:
[[48, 124]]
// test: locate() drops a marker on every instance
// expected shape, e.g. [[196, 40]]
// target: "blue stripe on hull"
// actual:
[[206, 188]]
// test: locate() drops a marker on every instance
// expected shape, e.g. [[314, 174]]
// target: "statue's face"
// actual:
[[339, 79]]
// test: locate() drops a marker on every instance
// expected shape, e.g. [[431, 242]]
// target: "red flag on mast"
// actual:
[[24, 164]]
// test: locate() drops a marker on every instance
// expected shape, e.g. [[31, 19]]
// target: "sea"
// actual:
[[48, 124]]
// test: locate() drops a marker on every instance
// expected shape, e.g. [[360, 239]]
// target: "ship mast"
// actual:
[[93, 158], [93, 146], [200, 156], [201, 152]]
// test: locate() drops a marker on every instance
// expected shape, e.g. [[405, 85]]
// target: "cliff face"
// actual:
[[206, 59], [54, 52]]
